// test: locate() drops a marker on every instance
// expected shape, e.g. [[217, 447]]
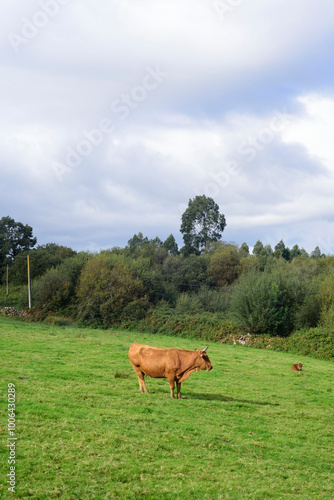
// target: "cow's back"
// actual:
[[141, 351], [153, 361]]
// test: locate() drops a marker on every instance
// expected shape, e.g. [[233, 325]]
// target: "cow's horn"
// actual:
[[205, 348]]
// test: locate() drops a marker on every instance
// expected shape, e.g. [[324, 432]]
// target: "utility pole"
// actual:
[[29, 283], [7, 281]]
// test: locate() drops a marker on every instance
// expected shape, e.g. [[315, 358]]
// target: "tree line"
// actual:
[[269, 290]]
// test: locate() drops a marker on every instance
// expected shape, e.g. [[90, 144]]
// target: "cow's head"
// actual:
[[204, 362]]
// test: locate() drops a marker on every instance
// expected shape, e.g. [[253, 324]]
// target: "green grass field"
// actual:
[[250, 428]]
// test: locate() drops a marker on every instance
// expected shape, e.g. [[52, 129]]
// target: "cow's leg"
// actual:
[[178, 387], [140, 375], [171, 384]]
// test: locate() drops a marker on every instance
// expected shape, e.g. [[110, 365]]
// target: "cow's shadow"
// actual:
[[226, 399]]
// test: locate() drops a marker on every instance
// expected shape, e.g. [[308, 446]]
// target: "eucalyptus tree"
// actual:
[[201, 223]]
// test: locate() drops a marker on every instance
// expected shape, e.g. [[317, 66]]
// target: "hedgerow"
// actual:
[[205, 326], [314, 342]]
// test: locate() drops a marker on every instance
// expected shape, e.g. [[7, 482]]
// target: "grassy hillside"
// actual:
[[250, 428]]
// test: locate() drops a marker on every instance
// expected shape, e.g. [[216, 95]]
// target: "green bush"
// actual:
[[42, 258], [309, 311], [327, 317], [270, 302], [187, 303], [205, 300], [55, 290], [215, 300], [186, 274], [165, 320], [106, 292], [326, 299], [51, 292], [315, 342], [152, 276], [73, 266], [225, 265]]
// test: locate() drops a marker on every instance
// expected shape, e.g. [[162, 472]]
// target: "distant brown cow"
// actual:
[[174, 364], [297, 368]]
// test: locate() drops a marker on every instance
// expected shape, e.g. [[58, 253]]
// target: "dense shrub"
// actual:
[[307, 314], [157, 287], [42, 258], [225, 265], [327, 317], [51, 292], [269, 302], [187, 303], [106, 292], [186, 274], [205, 300], [315, 342], [73, 266], [163, 319], [55, 290], [326, 299]]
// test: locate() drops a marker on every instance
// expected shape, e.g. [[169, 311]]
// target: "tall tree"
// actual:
[[244, 249], [316, 254], [282, 251], [42, 258], [262, 253], [15, 237], [201, 223], [137, 241], [297, 252], [171, 245], [257, 248]]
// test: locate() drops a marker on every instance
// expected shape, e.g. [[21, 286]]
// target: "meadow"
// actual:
[[250, 428]]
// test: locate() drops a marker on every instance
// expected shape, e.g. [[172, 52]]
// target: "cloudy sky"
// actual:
[[116, 112]]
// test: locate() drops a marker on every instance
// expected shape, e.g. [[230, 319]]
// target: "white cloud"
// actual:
[[314, 129], [227, 80]]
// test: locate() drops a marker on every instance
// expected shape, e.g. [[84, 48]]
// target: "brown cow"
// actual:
[[174, 364], [297, 368]]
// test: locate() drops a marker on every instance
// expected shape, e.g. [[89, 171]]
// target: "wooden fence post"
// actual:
[[29, 282]]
